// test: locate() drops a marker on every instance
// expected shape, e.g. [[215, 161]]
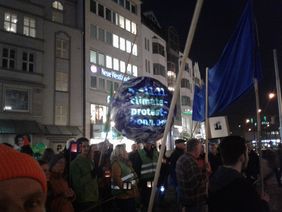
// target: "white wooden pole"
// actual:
[[278, 89], [174, 98]]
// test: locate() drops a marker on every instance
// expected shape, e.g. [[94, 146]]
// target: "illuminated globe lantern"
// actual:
[[140, 109]]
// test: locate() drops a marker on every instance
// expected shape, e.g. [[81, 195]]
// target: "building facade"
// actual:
[[40, 70]]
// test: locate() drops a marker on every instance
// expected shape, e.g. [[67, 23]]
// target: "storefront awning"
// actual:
[[8, 126], [61, 130]]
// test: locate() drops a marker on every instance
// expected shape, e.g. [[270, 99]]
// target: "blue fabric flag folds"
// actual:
[[234, 72]]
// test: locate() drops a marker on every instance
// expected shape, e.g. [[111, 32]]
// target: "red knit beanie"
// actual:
[[14, 164]]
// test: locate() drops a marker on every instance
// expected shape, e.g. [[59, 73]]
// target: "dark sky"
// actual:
[[216, 24]]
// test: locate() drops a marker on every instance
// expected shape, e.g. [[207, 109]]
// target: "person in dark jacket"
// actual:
[[229, 191]]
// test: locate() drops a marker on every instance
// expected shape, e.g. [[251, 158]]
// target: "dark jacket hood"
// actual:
[[223, 177]]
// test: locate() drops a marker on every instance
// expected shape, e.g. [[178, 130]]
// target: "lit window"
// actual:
[[122, 66], [101, 59], [134, 50], [93, 57], [28, 62], [62, 81], [62, 48], [57, 13], [127, 25], [128, 46], [116, 64], [57, 5], [133, 28], [10, 22], [129, 69], [122, 44], [115, 41], [109, 62], [134, 71], [16, 100], [121, 21], [60, 115], [29, 27], [8, 58]]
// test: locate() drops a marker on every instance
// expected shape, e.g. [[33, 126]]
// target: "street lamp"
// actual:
[[271, 95]]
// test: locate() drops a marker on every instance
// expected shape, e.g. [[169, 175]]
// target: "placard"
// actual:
[[218, 127]]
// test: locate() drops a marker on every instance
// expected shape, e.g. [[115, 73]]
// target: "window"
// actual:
[[101, 59], [134, 71], [101, 10], [129, 69], [57, 13], [128, 46], [93, 57], [9, 58], [121, 3], [128, 25], [93, 6], [29, 27], [93, 32], [10, 22], [121, 21], [133, 28], [158, 49], [116, 64], [116, 85], [101, 84], [185, 83], [159, 69], [127, 5], [134, 50], [185, 100], [134, 9], [93, 83], [115, 41], [147, 66], [147, 44], [60, 115], [109, 62], [108, 14], [62, 81], [109, 38], [101, 34], [122, 44], [28, 62], [57, 5], [122, 66], [115, 18], [62, 48], [16, 100], [109, 85]]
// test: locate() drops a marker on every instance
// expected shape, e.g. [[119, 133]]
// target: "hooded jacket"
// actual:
[[229, 191]]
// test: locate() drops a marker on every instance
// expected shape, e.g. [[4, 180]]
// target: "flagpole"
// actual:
[[207, 126], [259, 132], [174, 98], [278, 89]]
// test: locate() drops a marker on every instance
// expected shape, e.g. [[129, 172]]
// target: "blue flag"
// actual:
[[235, 71]]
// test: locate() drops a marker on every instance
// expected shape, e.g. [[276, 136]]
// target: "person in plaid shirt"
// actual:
[[192, 179]]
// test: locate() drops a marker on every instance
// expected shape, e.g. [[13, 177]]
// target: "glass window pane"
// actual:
[[134, 70], [134, 50], [115, 41], [101, 34], [128, 46], [101, 59], [122, 44], [128, 25], [93, 32], [108, 14], [101, 10], [109, 38], [121, 21], [93, 57], [133, 28], [122, 66], [129, 69], [93, 83], [109, 62], [116, 64]]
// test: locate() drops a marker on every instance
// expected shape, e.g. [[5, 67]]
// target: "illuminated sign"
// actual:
[[110, 73], [140, 109]]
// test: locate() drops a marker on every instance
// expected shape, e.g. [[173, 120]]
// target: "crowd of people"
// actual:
[[98, 177]]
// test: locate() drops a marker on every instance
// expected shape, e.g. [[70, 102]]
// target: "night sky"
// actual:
[[217, 21]]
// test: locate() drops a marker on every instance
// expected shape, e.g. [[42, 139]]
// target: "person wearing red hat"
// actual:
[[23, 184]]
